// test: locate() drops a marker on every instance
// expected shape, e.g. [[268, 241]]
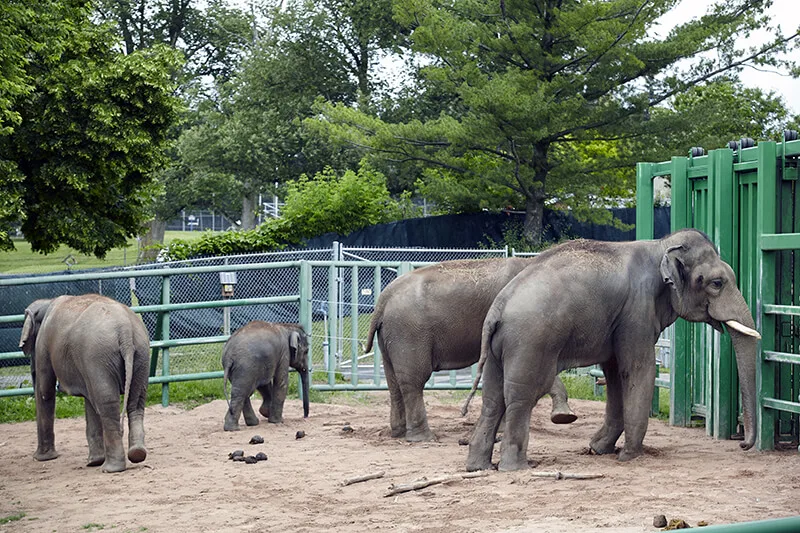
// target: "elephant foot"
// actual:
[[510, 466], [601, 447], [264, 411], [398, 433], [251, 422], [231, 426], [563, 418], [275, 420], [46, 455], [137, 454], [474, 466], [114, 466], [420, 436], [96, 460], [627, 455]]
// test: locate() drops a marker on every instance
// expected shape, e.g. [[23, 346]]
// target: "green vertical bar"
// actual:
[[784, 289], [376, 350], [165, 299], [765, 371], [354, 325], [305, 319], [333, 312], [680, 403], [645, 223], [724, 394]]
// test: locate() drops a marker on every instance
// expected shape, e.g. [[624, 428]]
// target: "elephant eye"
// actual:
[[717, 283]]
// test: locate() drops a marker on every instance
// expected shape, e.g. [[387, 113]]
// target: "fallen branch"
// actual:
[[566, 475], [422, 483], [327, 424], [359, 479]]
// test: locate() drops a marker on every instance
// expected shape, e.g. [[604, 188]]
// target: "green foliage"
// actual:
[[314, 206], [546, 98], [78, 166]]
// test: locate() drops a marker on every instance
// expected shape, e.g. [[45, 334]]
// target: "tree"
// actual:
[[538, 81], [90, 131]]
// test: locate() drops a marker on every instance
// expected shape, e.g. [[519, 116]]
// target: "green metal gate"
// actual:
[[744, 198]]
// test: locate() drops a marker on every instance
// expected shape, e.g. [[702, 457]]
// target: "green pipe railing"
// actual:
[[775, 525]]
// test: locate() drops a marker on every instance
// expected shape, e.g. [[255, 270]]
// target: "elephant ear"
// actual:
[[673, 269], [28, 328], [294, 341]]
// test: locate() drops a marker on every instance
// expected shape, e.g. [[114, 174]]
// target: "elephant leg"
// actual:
[[239, 394], [266, 399], [45, 414], [279, 392], [250, 417], [397, 409], [605, 440], [637, 394], [105, 399], [560, 412], [94, 435], [137, 452], [417, 429], [493, 408], [520, 398]]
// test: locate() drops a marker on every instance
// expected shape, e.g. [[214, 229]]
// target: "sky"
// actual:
[[786, 14]]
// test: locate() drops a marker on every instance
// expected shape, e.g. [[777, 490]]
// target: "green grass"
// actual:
[[24, 261], [12, 518]]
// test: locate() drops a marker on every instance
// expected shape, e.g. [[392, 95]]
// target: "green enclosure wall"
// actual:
[[745, 200]]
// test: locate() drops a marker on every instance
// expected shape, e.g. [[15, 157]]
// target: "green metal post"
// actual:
[[766, 224], [376, 350], [680, 401], [305, 319], [333, 313], [354, 325], [165, 299], [724, 403]]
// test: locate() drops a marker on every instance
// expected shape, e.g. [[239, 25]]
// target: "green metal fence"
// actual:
[[744, 197]]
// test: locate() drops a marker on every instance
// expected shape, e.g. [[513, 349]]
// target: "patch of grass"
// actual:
[[24, 261], [93, 527], [12, 518]]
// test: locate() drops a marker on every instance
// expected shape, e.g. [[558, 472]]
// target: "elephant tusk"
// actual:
[[741, 328]]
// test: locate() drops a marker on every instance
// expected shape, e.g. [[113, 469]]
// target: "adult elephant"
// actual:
[[96, 348], [589, 302], [257, 357], [430, 319]]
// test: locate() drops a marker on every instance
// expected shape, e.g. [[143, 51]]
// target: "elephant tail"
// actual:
[[374, 326], [128, 350], [489, 327]]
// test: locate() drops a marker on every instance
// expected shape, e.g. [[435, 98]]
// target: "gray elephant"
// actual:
[[96, 348], [430, 319], [258, 356], [589, 302]]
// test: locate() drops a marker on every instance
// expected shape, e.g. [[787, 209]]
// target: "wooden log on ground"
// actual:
[[424, 482]]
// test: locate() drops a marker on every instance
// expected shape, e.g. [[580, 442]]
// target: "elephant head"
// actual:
[[298, 347], [703, 289]]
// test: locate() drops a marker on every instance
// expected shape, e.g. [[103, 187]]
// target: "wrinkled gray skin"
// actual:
[[257, 357], [96, 348], [430, 319], [589, 302]]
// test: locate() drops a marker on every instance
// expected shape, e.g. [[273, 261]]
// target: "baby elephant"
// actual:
[[258, 356], [96, 348]]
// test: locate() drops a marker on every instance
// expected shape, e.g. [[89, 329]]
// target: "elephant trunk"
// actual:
[[734, 312], [745, 347], [305, 386]]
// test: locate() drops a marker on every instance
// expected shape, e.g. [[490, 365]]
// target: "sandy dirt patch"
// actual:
[[187, 482]]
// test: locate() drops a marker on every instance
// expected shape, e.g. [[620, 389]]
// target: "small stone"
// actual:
[[300, 434], [463, 441], [659, 520], [250, 459], [261, 456], [236, 453], [257, 439], [702, 523], [347, 429]]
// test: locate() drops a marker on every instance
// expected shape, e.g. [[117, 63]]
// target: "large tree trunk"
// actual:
[[534, 216], [249, 207], [535, 194], [152, 241]]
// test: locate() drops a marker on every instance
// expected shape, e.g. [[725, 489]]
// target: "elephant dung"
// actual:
[[659, 520], [300, 434], [257, 439], [250, 459], [236, 453], [261, 456]]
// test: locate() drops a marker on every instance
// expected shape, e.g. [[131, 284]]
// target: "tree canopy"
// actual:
[[540, 88], [88, 125]]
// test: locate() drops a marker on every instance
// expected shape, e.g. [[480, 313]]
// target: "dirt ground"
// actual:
[[187, 482]]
